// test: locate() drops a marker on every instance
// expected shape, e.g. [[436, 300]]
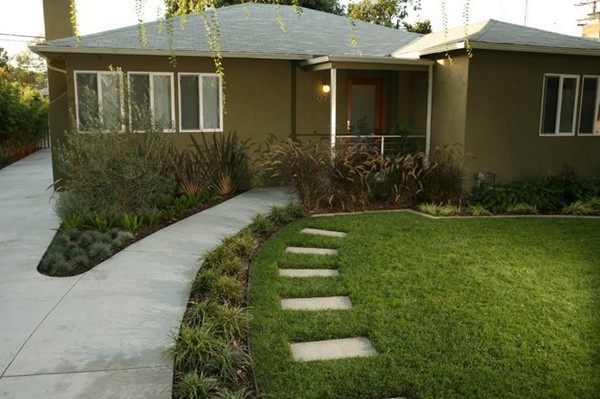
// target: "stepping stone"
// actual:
[[311, 251], [322, 303], [320, 232], [308, 272], [332, 349]]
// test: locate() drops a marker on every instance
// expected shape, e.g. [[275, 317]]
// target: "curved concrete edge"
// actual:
[[110, 327]]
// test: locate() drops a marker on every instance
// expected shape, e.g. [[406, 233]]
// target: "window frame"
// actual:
[[98, 74], [200, 102], [151, 99], [596, 107], [575, 120]]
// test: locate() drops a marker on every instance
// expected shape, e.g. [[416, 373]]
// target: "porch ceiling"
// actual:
[[364, 63]]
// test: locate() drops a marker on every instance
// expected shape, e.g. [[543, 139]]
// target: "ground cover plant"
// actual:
[[456, 308], [210, 350]]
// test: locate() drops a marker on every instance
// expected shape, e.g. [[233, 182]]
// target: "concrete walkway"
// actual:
[[101, 334]]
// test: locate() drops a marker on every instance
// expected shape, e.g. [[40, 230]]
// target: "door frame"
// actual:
[[378, 83]]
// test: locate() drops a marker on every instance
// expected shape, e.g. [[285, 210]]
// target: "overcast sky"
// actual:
[[25, 17]]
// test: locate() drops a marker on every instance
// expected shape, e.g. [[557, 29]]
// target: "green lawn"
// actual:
[[456, 308]]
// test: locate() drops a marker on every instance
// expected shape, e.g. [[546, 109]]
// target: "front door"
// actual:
[[364, 106]]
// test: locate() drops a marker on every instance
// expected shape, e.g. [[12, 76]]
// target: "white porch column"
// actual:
[[429, 106], [333, 97]]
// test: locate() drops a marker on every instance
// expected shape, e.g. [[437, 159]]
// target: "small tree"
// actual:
[[388, 13]]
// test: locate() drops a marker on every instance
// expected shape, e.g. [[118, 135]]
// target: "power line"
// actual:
[[24, 36]]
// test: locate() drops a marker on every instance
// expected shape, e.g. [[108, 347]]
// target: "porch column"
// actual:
[[333, 97], [429, 106]]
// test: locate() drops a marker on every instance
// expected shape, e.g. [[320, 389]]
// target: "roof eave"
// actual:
[[365, 60], [43, 50], [506, 47]]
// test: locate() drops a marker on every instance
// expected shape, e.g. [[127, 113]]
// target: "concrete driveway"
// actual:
[[101, 334]]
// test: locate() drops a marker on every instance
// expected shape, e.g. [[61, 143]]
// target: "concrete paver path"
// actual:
[[100, 334]]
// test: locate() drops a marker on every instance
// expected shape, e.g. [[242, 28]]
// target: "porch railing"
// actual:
[[384, 144]]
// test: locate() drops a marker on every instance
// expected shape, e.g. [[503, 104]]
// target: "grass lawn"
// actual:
[[456, 308]]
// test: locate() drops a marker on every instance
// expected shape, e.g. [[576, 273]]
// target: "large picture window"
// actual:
[[559, 103], [151, 94], [589, 116], [200, 105], [99, 100]]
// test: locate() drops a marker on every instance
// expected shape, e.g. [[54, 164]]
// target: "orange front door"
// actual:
[[364, 107]]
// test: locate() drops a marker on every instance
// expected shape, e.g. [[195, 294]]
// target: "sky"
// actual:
[[25, 17]]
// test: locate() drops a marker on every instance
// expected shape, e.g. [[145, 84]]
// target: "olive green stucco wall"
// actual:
[[257, 92], [504, 111], [449, 105]]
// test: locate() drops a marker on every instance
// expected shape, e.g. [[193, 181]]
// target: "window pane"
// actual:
[[87, 99], [162, 100], [190, 102], [567, 110], [588, 105], [140, 100], [550, 104], [111, 101], [211, 102]]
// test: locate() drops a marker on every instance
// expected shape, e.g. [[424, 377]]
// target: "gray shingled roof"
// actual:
[[498, 33], [252, 29]]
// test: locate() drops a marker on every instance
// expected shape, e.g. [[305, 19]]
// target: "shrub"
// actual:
[[400, 178], [443, 179], [225, 289], [194, 346], [589, 207], [349, 179], [100, 250], [242, 244], [262, 225], [522, 209], [115, 173], [302, 166], [227, 364], [478, 210], [196, 386], [224, 160]]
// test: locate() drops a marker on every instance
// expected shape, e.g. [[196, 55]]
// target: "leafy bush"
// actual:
[[115, 173], [550, 193], [196, 386], [23, 116], [522, 209], [589, 207]]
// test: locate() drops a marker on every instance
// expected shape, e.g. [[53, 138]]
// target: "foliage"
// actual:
[[400, 180], [351, 178], [443, 180], [305, 166], [455, 308], [23, 115], [421, 27], [72, 250], [550, 193], [116, 173], [224, 160], [589, 207], [440, 210], [388, 13]]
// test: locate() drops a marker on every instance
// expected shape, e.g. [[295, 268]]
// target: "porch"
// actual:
[[382, 103]]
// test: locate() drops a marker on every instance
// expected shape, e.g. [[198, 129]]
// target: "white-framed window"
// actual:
[[99, 100], [200, 102], [151, 93], [559, 104], [589, 110]]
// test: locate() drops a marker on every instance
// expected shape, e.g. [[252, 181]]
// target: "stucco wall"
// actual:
[[257, 92], [449, 106], [503, 116]]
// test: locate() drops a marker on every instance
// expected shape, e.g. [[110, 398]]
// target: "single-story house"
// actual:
[[526, 101]]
